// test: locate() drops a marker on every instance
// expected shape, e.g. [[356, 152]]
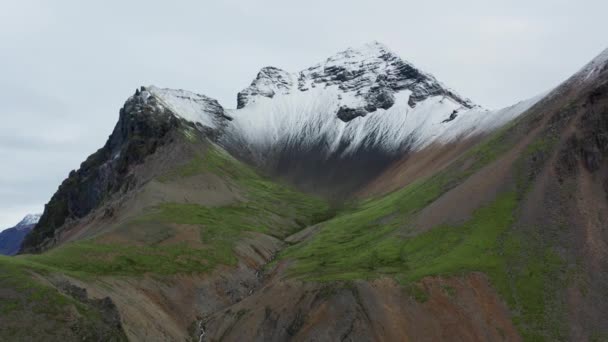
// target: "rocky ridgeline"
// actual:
[[371, 76], [107, 328], [142, 127], [269, 81], [204, 112]]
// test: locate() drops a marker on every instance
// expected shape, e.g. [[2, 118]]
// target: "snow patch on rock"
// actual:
[[29, 220], [190, 106]]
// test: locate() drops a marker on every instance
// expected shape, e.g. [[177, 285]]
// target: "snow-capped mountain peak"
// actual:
[[269, 82], [359, 99], [366, 79], [29, 220]]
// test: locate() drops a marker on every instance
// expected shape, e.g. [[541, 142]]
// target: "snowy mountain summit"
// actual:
[[366, 78], [29, 220], [360, 106]]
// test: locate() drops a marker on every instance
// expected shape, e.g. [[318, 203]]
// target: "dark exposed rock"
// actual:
[[396, 75], [593, 145], [375, 78], [567, 158], [268, 82], [109, 326], [592, 156], [380, 96], [143, 126], [296, 324], [377, 98], [589, 144], [78, 293], [452, 117], [346, 114]]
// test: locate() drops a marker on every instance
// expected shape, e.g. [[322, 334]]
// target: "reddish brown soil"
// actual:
[[166, 307], [457, 205], [416, 165], [457, 309]]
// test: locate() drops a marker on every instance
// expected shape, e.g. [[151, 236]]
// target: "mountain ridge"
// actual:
[[361, 109], [298, 137], [371, 71], [202, 224]]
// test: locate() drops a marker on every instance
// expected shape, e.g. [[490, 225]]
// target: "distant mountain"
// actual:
[[11, 238]]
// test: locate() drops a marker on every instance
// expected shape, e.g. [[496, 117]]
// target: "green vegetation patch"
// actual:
[[532, 284], [525, 272], [352, 245], [30, 309], [363, 243], [262, 193], [270, 208], [346, 249], [20, 291], [88, 258]]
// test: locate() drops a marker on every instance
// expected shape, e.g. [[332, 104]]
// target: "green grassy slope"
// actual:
[[30, 309], [367, 242], [270, 208]]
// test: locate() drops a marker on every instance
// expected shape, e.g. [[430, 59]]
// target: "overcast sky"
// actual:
[[66, 67]]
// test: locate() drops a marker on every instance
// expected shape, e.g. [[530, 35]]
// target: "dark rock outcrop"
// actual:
[[143, 126], [378, 77], [452, 116], [109, 325], [588, 144], [268, 82], [378, 97], [346, 114]]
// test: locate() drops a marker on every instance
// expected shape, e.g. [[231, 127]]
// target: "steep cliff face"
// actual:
[[269, 82], [580, 176], [142, 127]]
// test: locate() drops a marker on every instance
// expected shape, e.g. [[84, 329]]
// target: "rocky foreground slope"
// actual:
[[267, 222]]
